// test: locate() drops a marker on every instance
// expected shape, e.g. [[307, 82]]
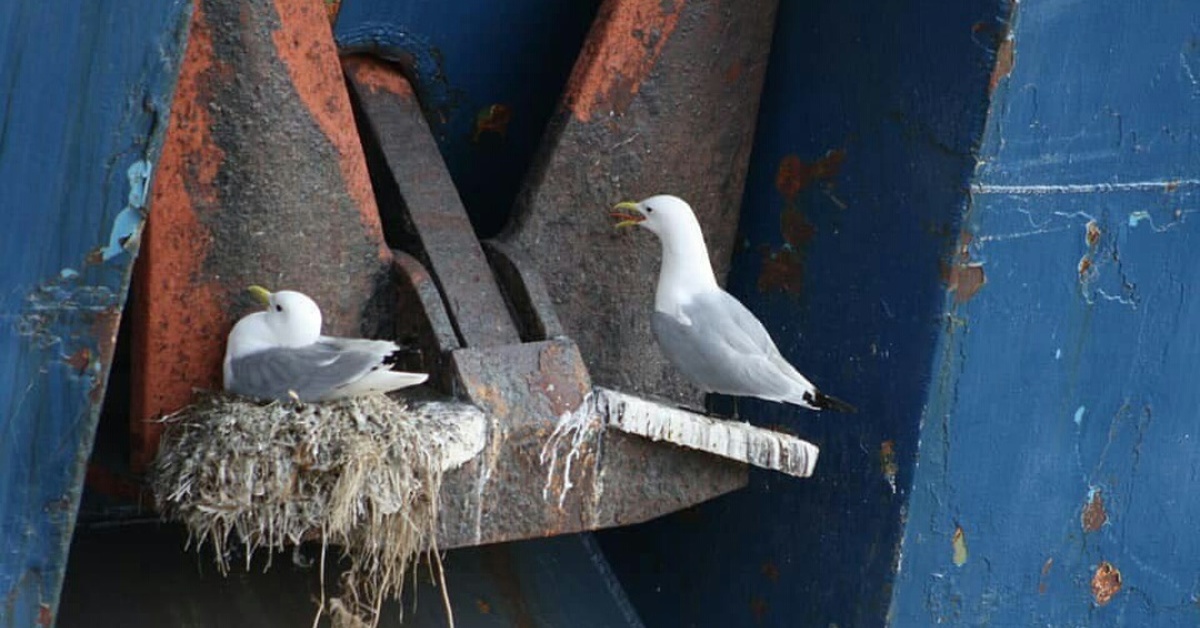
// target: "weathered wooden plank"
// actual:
[[85, 89]]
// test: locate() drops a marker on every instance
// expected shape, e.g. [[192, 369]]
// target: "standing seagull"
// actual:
[[280, 354], [704, 331]]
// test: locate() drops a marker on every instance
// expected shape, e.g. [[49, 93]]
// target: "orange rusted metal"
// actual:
[[626, 41], [259, 114]]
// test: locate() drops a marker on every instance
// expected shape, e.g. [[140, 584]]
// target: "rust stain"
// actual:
[[305, 45], [796, 228], [1085, 267], [331, 9], [627, 38], [492, 119], [959, 543], [795, 174], [105, 327], [106, 482], [1042, 584], [758, 608], [377, 75], [1094, 516], [782, 271], [965, 280], [45, 616], [80, 360], [887, 463], [482, 606], [734, 72], [1092, 234], [770, 571], [174, 246], [1005, 59], [1106, 583], [963, 276]]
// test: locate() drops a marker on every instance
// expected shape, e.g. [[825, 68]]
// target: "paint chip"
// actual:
[[1093, 516], [1106, 583], [1093, 233], [1042, 584], [959, 543], [887, 463], [492, 119], [1079, 415]]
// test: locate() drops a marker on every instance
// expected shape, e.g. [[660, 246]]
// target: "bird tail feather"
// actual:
[[821, 401]]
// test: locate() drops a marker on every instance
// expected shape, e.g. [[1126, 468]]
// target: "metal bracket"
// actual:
[[490, 331]]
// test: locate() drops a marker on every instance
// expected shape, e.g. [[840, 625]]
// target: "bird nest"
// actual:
[[362, 474]]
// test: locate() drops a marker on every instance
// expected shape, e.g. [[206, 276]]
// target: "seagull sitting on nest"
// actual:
[[704, 331], [280, 354]]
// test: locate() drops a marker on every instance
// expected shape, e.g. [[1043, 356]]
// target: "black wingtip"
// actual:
[[821, 401]]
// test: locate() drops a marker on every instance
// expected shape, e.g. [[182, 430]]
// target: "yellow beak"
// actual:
[[260, 294], [627, 213]]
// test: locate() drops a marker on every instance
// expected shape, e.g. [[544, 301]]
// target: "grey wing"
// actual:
[[311, 372], [719, 355], [377, 347]]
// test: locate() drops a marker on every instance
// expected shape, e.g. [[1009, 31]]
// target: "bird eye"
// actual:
[[278, 308], [649, 210]]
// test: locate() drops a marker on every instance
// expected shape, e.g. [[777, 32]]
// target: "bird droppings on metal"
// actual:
[[492, 119], [1043, 586], [1093, 516], [958, 543], [1106, 583], [632, 36], [887, 463]]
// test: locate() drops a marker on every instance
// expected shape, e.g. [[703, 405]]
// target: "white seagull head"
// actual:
[[293, 319], [666, 216]]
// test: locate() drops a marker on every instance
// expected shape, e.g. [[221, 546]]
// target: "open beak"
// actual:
[[260, 294], [627, 214]]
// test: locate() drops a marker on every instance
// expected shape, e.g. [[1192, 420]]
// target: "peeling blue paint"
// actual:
[[1083, 207], [128, 224], [73, 121]]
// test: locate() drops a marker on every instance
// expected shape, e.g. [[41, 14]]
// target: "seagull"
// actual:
[[280, 354], [706, 333]]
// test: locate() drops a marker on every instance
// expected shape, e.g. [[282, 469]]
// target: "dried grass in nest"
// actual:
[[357, 473]]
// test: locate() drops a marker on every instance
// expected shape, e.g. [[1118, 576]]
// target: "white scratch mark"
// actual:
[[1187, 69], [1117, 298], [1086, 188], [1138, 217], [1001, 237]]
